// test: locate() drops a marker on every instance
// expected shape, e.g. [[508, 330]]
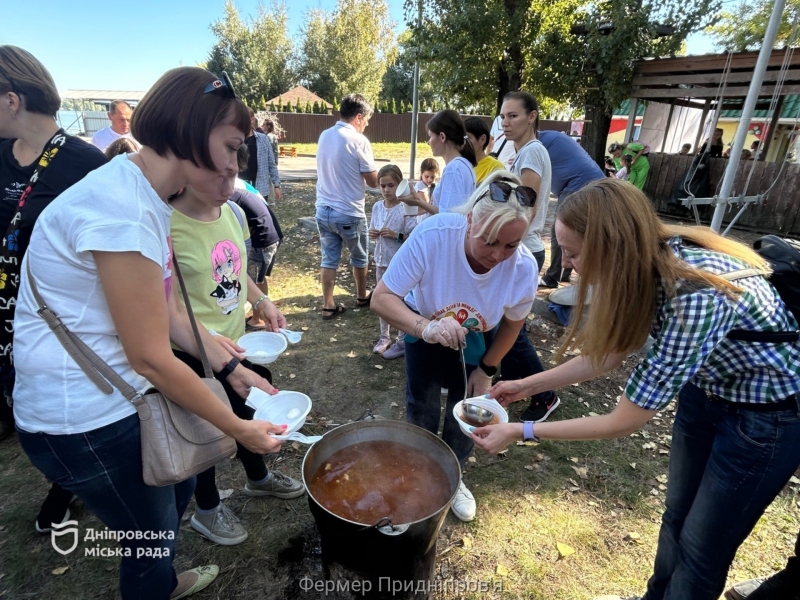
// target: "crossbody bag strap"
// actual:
[[200, 348], [95, 368]]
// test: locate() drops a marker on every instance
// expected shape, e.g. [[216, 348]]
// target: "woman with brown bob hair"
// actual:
[[734, 441], [101, 257]]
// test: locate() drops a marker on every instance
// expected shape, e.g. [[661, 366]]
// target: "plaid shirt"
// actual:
[[690, 345], [267, 166]]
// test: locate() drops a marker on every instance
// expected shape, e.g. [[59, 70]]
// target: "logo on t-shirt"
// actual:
[[468, 316], [226, 265]]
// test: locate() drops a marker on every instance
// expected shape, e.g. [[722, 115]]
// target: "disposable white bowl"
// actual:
[[278, 408], [262, 347], [484, 402]]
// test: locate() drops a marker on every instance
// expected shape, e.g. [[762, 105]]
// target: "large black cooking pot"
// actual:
[[396, 550]]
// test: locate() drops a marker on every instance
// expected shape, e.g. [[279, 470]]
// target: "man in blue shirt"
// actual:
[[572, 168]]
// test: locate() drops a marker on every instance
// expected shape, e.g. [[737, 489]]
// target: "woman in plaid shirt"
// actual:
[[735, 438]]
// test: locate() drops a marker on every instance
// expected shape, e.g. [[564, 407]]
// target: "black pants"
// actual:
[[206, 494], [554, 273]]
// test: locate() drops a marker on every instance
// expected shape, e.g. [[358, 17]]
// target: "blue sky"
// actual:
[[118, 45]]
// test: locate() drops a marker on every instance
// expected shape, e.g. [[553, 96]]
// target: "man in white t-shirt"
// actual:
[[119, 113], [345, 165], [499, 147]]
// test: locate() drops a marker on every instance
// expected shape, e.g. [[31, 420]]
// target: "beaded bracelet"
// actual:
[[255, 306]]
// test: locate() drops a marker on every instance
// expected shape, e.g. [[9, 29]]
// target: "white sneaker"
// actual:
[[464, 505]]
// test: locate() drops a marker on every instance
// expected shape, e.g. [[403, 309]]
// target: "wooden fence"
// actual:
[[778, 213], [304, 128]]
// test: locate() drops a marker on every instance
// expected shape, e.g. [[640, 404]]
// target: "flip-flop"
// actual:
[[205, 575], [332, 312], [362, 302]]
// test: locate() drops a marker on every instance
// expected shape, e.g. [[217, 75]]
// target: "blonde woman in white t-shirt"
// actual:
[[389, 227], [460, 275]]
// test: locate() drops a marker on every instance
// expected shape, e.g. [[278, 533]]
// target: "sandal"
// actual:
[[332, 312], [362, 302]]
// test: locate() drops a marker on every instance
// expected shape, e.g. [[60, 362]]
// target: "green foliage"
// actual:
[[335, 103], [308, 108], [280, 104], [255, 52], [315, 107], [529, 46], [347, 50], [298, 108], [262, 103], [272, 108], [398, 81], [744, 27]]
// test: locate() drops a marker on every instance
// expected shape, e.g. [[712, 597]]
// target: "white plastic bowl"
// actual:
[[279, 408], [262, 347], [488, 403]]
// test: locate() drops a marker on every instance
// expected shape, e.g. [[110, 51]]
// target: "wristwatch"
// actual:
[[490, 371], [527, 432], [399, 237], [228, 368]]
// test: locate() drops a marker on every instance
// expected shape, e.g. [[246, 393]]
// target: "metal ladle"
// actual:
[[475, 413]]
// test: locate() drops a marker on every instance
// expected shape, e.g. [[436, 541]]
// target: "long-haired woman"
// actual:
[[519, 116], [102, 260], [447, 138], [734, 440]]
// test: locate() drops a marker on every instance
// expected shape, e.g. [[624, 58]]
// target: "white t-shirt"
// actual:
[[508, 154], [432, 272], [106, 136], [396, 220], [455, 186], [533, 156], [113, 209], [343, 155]]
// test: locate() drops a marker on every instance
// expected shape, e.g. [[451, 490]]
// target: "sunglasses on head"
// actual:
[[500, 191], [223, 84]]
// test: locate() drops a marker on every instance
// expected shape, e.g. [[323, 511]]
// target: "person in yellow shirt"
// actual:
[[479, 135]]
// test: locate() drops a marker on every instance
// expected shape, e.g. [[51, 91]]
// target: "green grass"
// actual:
[[382, 150], [529, 500]]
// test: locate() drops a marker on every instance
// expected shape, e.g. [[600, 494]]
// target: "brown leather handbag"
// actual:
[[176, 443]]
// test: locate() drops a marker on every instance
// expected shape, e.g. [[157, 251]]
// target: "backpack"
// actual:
[[784, 258]]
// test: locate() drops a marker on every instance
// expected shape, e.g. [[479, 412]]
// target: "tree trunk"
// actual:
[[595, 130], [509, 70]]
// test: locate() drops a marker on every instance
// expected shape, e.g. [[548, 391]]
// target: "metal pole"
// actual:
[[415, 102], [630, 126], [747, 111]]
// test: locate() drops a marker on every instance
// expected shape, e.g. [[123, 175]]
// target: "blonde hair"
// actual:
[[624, 256], [489, 217]]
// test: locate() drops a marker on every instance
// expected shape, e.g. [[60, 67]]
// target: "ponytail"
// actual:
[[450, 124]]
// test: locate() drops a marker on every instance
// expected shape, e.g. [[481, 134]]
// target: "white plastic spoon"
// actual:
[[292, 336], [299, 437]]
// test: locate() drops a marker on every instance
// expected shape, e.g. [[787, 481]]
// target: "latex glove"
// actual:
[[494, 438], [478, 383], [447, 332], [243, 379]]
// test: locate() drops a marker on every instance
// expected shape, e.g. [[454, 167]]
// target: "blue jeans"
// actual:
[[726, 466], [337, 228], [520, 361], [103, 468], [429, 368]]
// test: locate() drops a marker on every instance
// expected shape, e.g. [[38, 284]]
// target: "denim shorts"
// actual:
[[336, 228], [260, 262]]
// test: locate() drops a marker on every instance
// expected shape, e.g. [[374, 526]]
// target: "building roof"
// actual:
[[301, 93], [624, 109], [790, 110], [102, 96]]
